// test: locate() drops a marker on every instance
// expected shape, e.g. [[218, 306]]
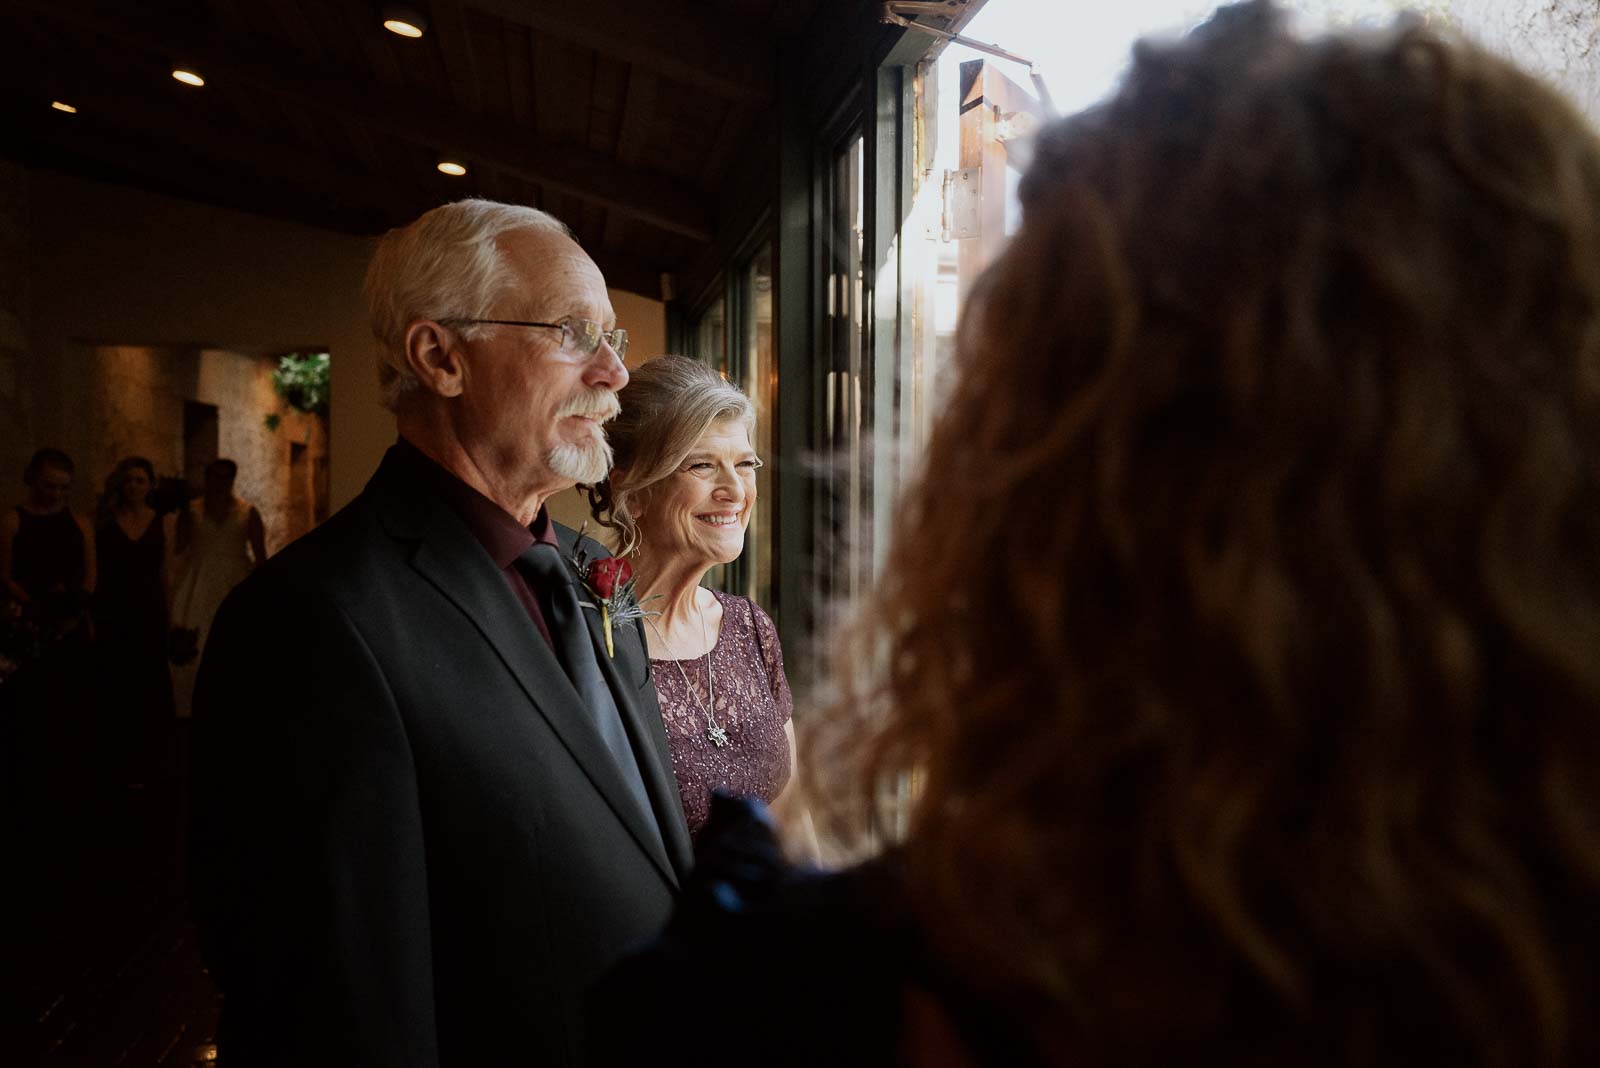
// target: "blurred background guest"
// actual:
[[1242, 634], [221, 539], [47, 550], [48, 730], [679, 498], [133, 544]]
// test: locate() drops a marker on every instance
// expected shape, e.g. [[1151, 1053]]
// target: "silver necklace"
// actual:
[[714, 730]]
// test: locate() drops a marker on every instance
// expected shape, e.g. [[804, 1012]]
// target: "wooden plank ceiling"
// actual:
[[628, 119]]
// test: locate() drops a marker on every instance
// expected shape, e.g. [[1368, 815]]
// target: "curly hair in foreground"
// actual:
[[1243, 639]]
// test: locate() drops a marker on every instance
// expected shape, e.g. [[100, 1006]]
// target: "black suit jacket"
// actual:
[[412, 846]]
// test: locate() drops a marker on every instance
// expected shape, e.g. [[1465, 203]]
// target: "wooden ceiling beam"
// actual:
[[519, 76], [292, 18], [716, 53], [639, 109], [455, 44], [418, 118], [380, 60]]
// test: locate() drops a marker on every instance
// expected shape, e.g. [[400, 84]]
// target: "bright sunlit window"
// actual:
[[1080, 52], [1082, 49]]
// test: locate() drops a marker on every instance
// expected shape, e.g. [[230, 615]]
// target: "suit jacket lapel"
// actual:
[[447, 556], [641, 715]]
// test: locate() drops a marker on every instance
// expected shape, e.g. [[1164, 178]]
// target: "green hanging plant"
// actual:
[[302, 382]]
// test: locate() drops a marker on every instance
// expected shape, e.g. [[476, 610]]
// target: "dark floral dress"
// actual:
[[753, 704]]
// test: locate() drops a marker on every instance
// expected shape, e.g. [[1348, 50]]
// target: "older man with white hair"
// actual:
[[434, 798]]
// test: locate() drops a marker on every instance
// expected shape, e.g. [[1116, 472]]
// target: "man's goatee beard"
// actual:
[[583, 464]]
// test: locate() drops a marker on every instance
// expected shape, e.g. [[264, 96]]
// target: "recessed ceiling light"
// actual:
[[452, 168], [187, 77], [59, 106], [407, 20]]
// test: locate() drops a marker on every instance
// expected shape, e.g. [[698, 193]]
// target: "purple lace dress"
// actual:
[[753, 704]]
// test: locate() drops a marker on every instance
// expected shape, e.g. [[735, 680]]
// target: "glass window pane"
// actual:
[[759, 378], [711, 337], [843, 541]]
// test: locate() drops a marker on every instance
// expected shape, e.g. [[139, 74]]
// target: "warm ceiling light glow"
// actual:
[[405, 19], [59, 106], [188, 77], [452, 168]]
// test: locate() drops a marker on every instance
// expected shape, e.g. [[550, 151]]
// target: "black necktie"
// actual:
[[555, 582]]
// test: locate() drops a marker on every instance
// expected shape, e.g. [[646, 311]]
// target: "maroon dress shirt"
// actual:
[[501, 536]]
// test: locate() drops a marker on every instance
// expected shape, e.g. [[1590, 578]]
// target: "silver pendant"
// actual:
[[718, 736]]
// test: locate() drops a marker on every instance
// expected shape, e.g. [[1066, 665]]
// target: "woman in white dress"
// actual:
[[221, 540]]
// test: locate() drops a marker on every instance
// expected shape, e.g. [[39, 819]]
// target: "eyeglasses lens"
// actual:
[[585, 336]]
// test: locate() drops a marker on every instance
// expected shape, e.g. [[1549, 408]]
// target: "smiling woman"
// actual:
[[680, 497]]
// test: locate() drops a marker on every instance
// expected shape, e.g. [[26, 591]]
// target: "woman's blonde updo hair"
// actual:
[[667, 405]]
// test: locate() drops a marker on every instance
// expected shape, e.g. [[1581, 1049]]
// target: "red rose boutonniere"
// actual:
[[607, 575], [609, 580]]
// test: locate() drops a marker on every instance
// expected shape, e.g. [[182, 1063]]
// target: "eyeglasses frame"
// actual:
[[616, 337]]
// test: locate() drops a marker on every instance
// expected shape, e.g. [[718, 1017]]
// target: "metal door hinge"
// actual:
[[961, 217]]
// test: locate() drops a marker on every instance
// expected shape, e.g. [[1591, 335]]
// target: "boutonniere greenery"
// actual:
[[609, 580]]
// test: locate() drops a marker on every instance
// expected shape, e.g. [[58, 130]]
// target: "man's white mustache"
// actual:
[[599, 404]]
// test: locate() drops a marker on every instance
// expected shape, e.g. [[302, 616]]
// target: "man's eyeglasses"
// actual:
[[582, 335]]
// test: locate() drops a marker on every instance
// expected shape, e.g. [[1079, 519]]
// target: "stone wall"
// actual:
[[1557, 39], [133, 397]]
